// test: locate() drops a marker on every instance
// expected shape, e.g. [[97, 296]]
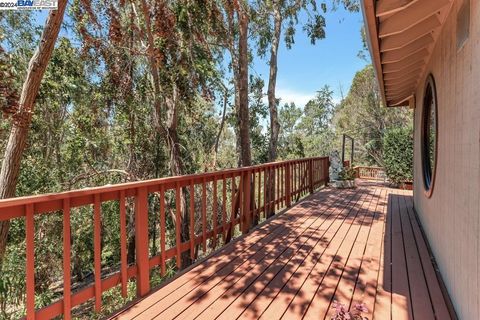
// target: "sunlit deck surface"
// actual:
[[362, 245]]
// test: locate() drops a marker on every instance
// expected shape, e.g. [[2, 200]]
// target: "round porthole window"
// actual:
[[429, 135]]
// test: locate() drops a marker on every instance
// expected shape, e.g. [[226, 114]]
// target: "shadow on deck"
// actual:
[[353, 246]]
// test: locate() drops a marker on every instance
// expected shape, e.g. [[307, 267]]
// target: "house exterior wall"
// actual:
[[451, 217]]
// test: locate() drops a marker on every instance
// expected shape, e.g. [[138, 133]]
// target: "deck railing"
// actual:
[[237, 198], [371, 173]]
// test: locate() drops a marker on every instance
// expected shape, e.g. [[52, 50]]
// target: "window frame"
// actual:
[[429, 173]]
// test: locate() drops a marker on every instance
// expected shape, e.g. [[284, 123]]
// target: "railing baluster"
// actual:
[[310, 171], [232, 213], [265, 193], [288, 195], [247, 221], [162, 231], [269, 192], [204, 215], [294, 179], [178, 225], [327, 171], [272, 196], [30, 265], [224, 208], [253, 204], [97, 252], [258, 194], [192, 220], [141, 242], [277, 187], [67, 303], [123, 243], [214, 212], [241, 202], [282, 188]]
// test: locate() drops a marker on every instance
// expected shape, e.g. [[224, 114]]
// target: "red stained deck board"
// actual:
[[362, 245], [262, 293]]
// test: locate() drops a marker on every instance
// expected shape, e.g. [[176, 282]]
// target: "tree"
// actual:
[[235, 23], [315, 125], [242, 79], [362, 116], [270, 17], [22, 116], [290, 145], [269, 22]]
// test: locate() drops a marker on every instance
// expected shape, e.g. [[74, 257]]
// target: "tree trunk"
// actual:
[[272, 103], [23, 117], [152, 62], [220, 131], [169, 132], [243, 113], [176, 168], [272, 83]]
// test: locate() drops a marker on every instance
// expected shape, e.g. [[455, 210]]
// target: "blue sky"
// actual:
[[332, 61], [306, 68]]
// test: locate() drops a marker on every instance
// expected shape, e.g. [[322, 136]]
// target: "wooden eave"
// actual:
[[401, 35]]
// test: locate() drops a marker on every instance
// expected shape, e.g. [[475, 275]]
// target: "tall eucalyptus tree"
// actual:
[[21, 113]]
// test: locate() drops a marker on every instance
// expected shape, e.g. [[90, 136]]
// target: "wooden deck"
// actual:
[[361, 245]]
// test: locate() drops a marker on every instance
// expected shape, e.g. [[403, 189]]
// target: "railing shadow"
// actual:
[[273, 269]]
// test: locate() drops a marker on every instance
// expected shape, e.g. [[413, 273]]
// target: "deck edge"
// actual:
[[438, 274]]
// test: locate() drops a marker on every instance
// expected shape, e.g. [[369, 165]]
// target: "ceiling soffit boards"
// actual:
[[401, 36]]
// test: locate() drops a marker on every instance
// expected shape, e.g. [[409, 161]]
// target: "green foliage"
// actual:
[[362, 116], [398, 154], [308, 133], [347, 174]]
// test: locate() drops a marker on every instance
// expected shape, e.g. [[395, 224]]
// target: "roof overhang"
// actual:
[[401, 35]]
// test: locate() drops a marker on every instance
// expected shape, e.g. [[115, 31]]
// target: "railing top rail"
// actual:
[[248, 194], [86, 192], [368, 167]]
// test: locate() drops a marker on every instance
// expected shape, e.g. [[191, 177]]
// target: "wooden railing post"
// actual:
[[247, 210], [97, 250], [67, 303], [141, 242], [288, 187], [30, 267]]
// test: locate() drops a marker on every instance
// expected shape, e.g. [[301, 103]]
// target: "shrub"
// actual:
[[398, 154], [347, 173]]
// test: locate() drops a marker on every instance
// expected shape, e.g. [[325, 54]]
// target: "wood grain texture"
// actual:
[[361, 245], [450, 218]]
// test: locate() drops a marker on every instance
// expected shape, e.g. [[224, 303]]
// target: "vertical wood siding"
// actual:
[[451, 217]]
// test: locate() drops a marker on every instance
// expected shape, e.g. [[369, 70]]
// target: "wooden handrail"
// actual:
[[242, 196], [370, 173]]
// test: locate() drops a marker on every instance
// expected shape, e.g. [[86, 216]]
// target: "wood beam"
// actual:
[[405, 68], [399, 102], [401, 75], [410, 16], [408, 60], [401, 82], [399, 54], [401, 96], [400, 40], [400, 90], [386, 7], [368, 10]]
